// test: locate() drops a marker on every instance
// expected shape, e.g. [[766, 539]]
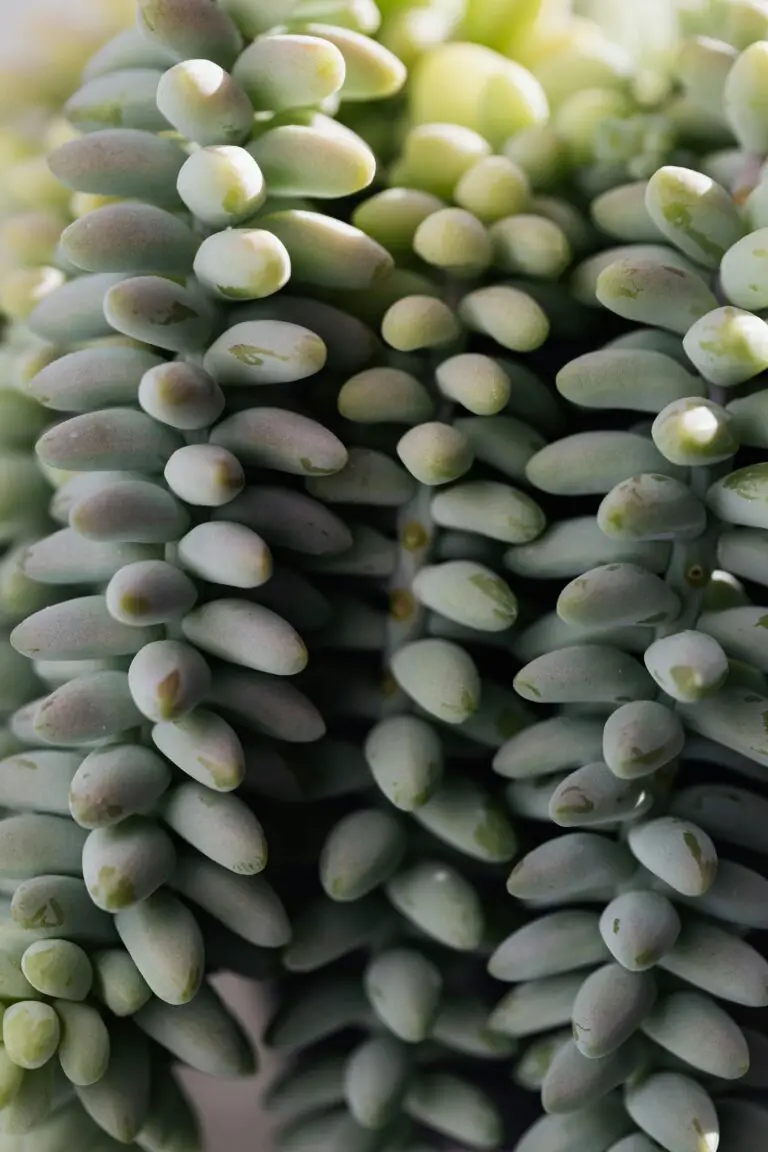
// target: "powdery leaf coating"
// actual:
[[586, 275], [361, 852], [366, 477], [593, 795], [503, 442], [405, 756], [466, 817], [641, 737], [166, 945], [130, 237], [439, 901], [265, 352], [695, 432], [126, 862], [149, 592], [530, 246], [574, 1080], [221, 185], [639, 927], [384, 395], [205, 747], [91, 706], [650, 506], [616, 594], [37, 780], [734, 718], [688, 666], [92, 378], [509, 316], [118, 982], [676, 1111], [391, 217], [267, 704], [531, 1068], [742, 497], [560, 744], [246, 634], [584, 673], [58, 968], [204, 475], [694, 212], [749, 415], [621, 213], [227, 553], [737, 896], [84, 1050], [350, 342], [490, 509], [202, 102], [587, 463], [245, 904], [325, 160], [113, 438], [440, 677], [719, 962], [121, 162], [35, 845], [635, 1143], [417, 322], [372, 72], [217, 824], [697, 1030], [435, 453], [467, 593], [536, 1006], [679, 853], [181, 394], [189, 28], [638, 379], [656, 294], [242, 264], [729, 345], [168, 679], [477, 382], [158, 312], [201, 1033], [568, 547], [31, 1033], [74, 312], [740, 631], [115, 782], [608, 1008], [578, 861], [289, 71], [454, 241]]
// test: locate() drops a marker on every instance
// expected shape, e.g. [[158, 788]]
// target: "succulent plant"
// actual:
[[415, 355]]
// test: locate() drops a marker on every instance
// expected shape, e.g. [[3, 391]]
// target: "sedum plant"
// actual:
[[384, 510]]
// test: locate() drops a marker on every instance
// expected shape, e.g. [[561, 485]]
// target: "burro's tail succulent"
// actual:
[[385, 515]]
